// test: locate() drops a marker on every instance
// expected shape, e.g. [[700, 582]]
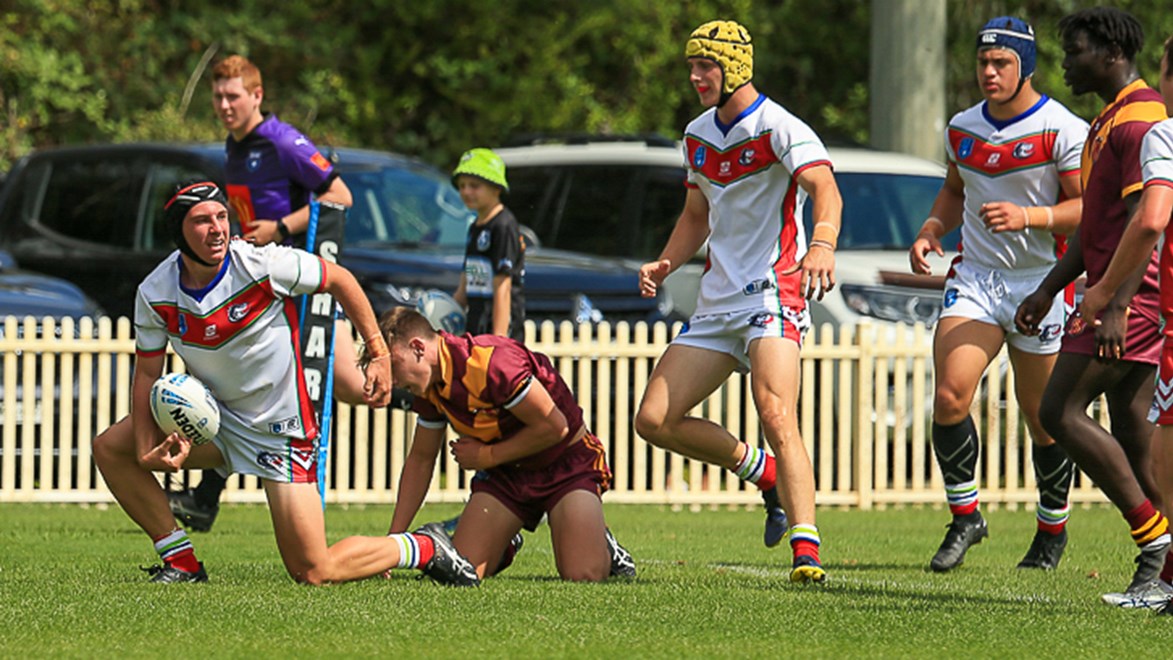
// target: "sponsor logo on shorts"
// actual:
[[761, 319], [1050, 332], [271, 460], [237, 312], [698, 157], [950, 297], [965, 149], [285, 426], [757, 286], [1023, 150]]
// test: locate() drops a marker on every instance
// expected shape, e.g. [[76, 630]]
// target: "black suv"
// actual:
[[93, 215]]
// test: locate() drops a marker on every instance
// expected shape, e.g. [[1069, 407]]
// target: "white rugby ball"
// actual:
[[181, 403], [442, 311]]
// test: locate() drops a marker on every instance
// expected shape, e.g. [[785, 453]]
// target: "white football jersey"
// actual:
[[239, 334], [1156, 166], [747, 172], [1019, 160]]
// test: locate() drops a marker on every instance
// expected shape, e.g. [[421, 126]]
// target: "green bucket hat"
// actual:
[[483, 164]]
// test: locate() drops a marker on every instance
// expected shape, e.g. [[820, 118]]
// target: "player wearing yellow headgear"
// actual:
[[751, 166]]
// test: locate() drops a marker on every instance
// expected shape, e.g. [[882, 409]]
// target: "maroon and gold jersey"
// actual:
[[481, 378], [1110, 169]]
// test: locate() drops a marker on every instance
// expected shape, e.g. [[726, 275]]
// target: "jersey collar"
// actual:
[[1003, 123], [741, 115]]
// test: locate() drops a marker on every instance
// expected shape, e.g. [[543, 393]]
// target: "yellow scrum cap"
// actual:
[[728, 44]]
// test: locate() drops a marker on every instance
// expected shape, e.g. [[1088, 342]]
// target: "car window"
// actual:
[[609, 210], [80, 191], [884, 211], [404, 205], [160, 186]]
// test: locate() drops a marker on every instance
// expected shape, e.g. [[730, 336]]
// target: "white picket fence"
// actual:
[[864, 415]]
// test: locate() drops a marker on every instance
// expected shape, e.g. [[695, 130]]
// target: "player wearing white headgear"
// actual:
[[1013, 187], [751, 166]]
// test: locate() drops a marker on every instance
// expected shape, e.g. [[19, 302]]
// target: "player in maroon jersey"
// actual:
[[521, 429]]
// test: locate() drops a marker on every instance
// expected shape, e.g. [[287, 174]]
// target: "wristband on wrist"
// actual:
[[822, 243], [376, 347], [1033, 212], [826, 233], [283, 230], [932, 220]]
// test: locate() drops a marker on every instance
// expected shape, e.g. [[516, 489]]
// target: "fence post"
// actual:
[[865, 339]]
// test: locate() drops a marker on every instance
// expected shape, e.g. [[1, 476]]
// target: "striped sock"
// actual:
[[1053, 473], [175, 549], [1147, 524], [415, 550], [804, 540], [1052, 521], [756, 467], [963, 497], [957, 450]]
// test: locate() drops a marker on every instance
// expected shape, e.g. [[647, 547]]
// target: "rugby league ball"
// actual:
[[182, 404]]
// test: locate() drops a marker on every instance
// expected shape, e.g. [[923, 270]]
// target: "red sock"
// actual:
[[807, 548], [184, 560], [769, 475], [427, 548]]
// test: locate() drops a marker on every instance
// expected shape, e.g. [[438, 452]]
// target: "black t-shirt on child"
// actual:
[[494, 248]]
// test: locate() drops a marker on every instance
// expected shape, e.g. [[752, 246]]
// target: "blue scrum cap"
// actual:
[[1013, 34]]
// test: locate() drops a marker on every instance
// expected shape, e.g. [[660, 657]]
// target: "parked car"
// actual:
[[24, 293], [621, 197], [93, 215]]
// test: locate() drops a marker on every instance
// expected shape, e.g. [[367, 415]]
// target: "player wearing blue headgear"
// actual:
[[1013, 160]]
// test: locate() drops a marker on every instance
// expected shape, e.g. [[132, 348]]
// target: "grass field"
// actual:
[[69, 587]]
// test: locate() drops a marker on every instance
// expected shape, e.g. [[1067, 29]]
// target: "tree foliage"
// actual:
[[434, 78]]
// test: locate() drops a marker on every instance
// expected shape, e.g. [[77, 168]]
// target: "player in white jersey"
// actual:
[[751, 166], [225, 308], [1013, 187]]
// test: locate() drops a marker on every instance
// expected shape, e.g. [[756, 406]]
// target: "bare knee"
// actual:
[[950, 406], [652, 426]]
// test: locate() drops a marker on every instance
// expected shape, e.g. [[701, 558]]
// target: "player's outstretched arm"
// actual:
[[341, 284], [689, 234], [416, 477]]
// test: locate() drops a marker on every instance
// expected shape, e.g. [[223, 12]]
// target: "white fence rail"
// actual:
[[864, 415]]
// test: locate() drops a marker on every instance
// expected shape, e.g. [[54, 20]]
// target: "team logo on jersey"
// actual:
[[965, 149], [761, 319], [757, 286], [483, 239], [253, 163], [725, 168], [746, 158], [272, 460], [1023, 150], [1050, 332], [698, 157], [182, 324], [950, 297], [300, 141], [237, 312], [285, 426], [210, 331], [992, 161]]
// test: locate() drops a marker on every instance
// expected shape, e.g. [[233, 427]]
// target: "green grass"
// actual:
[[706, 588]]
